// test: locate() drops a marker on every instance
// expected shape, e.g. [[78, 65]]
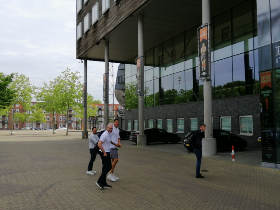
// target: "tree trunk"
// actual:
[[66, 123]]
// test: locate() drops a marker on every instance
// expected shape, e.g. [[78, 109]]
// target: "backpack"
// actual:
[[191, 143]]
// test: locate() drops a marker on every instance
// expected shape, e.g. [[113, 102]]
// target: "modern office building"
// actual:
[[245, 65]]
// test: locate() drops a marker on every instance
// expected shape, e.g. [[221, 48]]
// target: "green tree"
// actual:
[[6, 93], [23, 91], [37, 115], [68, 92]]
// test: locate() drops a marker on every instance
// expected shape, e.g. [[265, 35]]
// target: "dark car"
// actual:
[[124, 134], [225, 140], [156, 135]]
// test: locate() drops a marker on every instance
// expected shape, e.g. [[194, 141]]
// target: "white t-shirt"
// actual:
[[115, 136], [106, 138]]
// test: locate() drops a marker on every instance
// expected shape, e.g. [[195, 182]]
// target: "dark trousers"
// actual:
[[198, 153], [106, 167], [92, 159]]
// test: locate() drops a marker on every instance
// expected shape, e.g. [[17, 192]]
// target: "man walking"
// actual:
[[197, 147], [116, 142], [105, 145], [93, 141]]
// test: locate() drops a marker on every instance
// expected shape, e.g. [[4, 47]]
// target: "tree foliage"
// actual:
[[6, 93]]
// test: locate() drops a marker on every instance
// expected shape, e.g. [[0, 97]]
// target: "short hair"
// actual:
[[116, 120], [93, 128], [202, 124]]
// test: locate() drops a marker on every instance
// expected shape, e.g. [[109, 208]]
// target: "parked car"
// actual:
[[37, 128], [26, 128], [225, 140], [156, 135], [124, 134]]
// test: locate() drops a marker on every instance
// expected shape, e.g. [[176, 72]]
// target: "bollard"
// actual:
[[232, 153]]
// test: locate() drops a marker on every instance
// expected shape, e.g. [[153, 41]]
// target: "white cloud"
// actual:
[[37, 39]]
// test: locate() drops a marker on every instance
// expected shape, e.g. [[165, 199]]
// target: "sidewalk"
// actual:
[[39, 170]]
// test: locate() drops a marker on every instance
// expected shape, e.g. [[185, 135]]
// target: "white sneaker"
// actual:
[[89, 173], [116, 178], [111, 178], [93, 171]]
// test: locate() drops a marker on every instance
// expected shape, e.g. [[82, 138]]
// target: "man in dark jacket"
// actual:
[[197, 148]]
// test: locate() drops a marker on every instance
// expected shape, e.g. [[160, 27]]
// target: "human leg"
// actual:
[[106, 167], [198, 153], [92, 159]]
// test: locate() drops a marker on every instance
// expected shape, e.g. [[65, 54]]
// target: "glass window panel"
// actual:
[[167, 70], [222, 51], [193, 124], [178, 44], [159, 123], [158, 57], [180, 125], [151, 123], [276, 55], [189, 64], [149, 57], [129, 125], [133, 69], [275, 20], [167, 87], [167, 51], [239, 74], [149, 94], [222, 27], [263, 13], [127, 70], [179, 87], [169, 126], [243, 44], [246, 125], [135, 126], [191, 41], [225, 123], [265, 58], [179, 66], [149, 74], [242, 19]]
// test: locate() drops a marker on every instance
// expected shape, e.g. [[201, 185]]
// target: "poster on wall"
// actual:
[[203, 50], [138, 74], [104, 88]]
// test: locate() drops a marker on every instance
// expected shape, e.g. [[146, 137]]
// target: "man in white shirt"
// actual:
[[105, 145], [93, 141], [116, 142]]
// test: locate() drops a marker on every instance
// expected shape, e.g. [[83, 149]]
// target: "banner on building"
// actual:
[[204, 50], [104, 88], [139, 63]]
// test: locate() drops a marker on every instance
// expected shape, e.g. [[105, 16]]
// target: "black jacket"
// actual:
[[197, 138]]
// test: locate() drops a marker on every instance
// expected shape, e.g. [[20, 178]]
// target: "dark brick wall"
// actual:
[[234, 107]]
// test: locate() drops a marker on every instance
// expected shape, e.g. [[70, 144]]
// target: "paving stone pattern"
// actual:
[[40, 170]]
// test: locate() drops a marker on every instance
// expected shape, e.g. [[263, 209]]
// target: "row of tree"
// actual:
[[58, 96]]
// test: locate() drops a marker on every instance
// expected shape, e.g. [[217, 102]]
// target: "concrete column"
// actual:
[[141, 138], [106, 101], [209, 147], [85, 133]]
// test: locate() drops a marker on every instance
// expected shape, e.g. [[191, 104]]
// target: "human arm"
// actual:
[[101, 147]]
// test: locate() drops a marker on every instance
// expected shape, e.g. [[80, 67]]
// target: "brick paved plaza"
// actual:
[[40, 170]]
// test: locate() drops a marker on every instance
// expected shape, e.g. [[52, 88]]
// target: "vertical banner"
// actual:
[[203, 50], [138, 75], [104, 88]]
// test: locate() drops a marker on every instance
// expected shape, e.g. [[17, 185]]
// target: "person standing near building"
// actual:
[[116, 142], [93, 141], [105, 145], [197, 147]]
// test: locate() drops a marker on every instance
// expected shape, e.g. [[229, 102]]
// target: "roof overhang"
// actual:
[[163, 19]]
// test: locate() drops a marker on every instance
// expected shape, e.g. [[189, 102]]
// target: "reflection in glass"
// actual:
[[151, 123], [129, 125], [263, 22], [246, 124], [167, 87], [159, 123], [169, 126], [180, 124], [149, 93], [275, 19], [179, 87], [225, 123], [239, 75], [135, 126], [193, 124]]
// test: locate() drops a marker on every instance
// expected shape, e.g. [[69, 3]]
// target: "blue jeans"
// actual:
[[198, 153]]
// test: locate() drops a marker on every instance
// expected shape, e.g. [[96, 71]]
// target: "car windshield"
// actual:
[[222, 133]]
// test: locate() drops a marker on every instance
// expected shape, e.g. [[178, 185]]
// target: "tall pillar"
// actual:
[[106, 96], [85, 133], [209, 147], [141, 137]]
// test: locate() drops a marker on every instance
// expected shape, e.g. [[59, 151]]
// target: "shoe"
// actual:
[[116, 178], [93, 171], [199, 176], [111, 178], [99, 185], [89, 173], [107, 186]]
